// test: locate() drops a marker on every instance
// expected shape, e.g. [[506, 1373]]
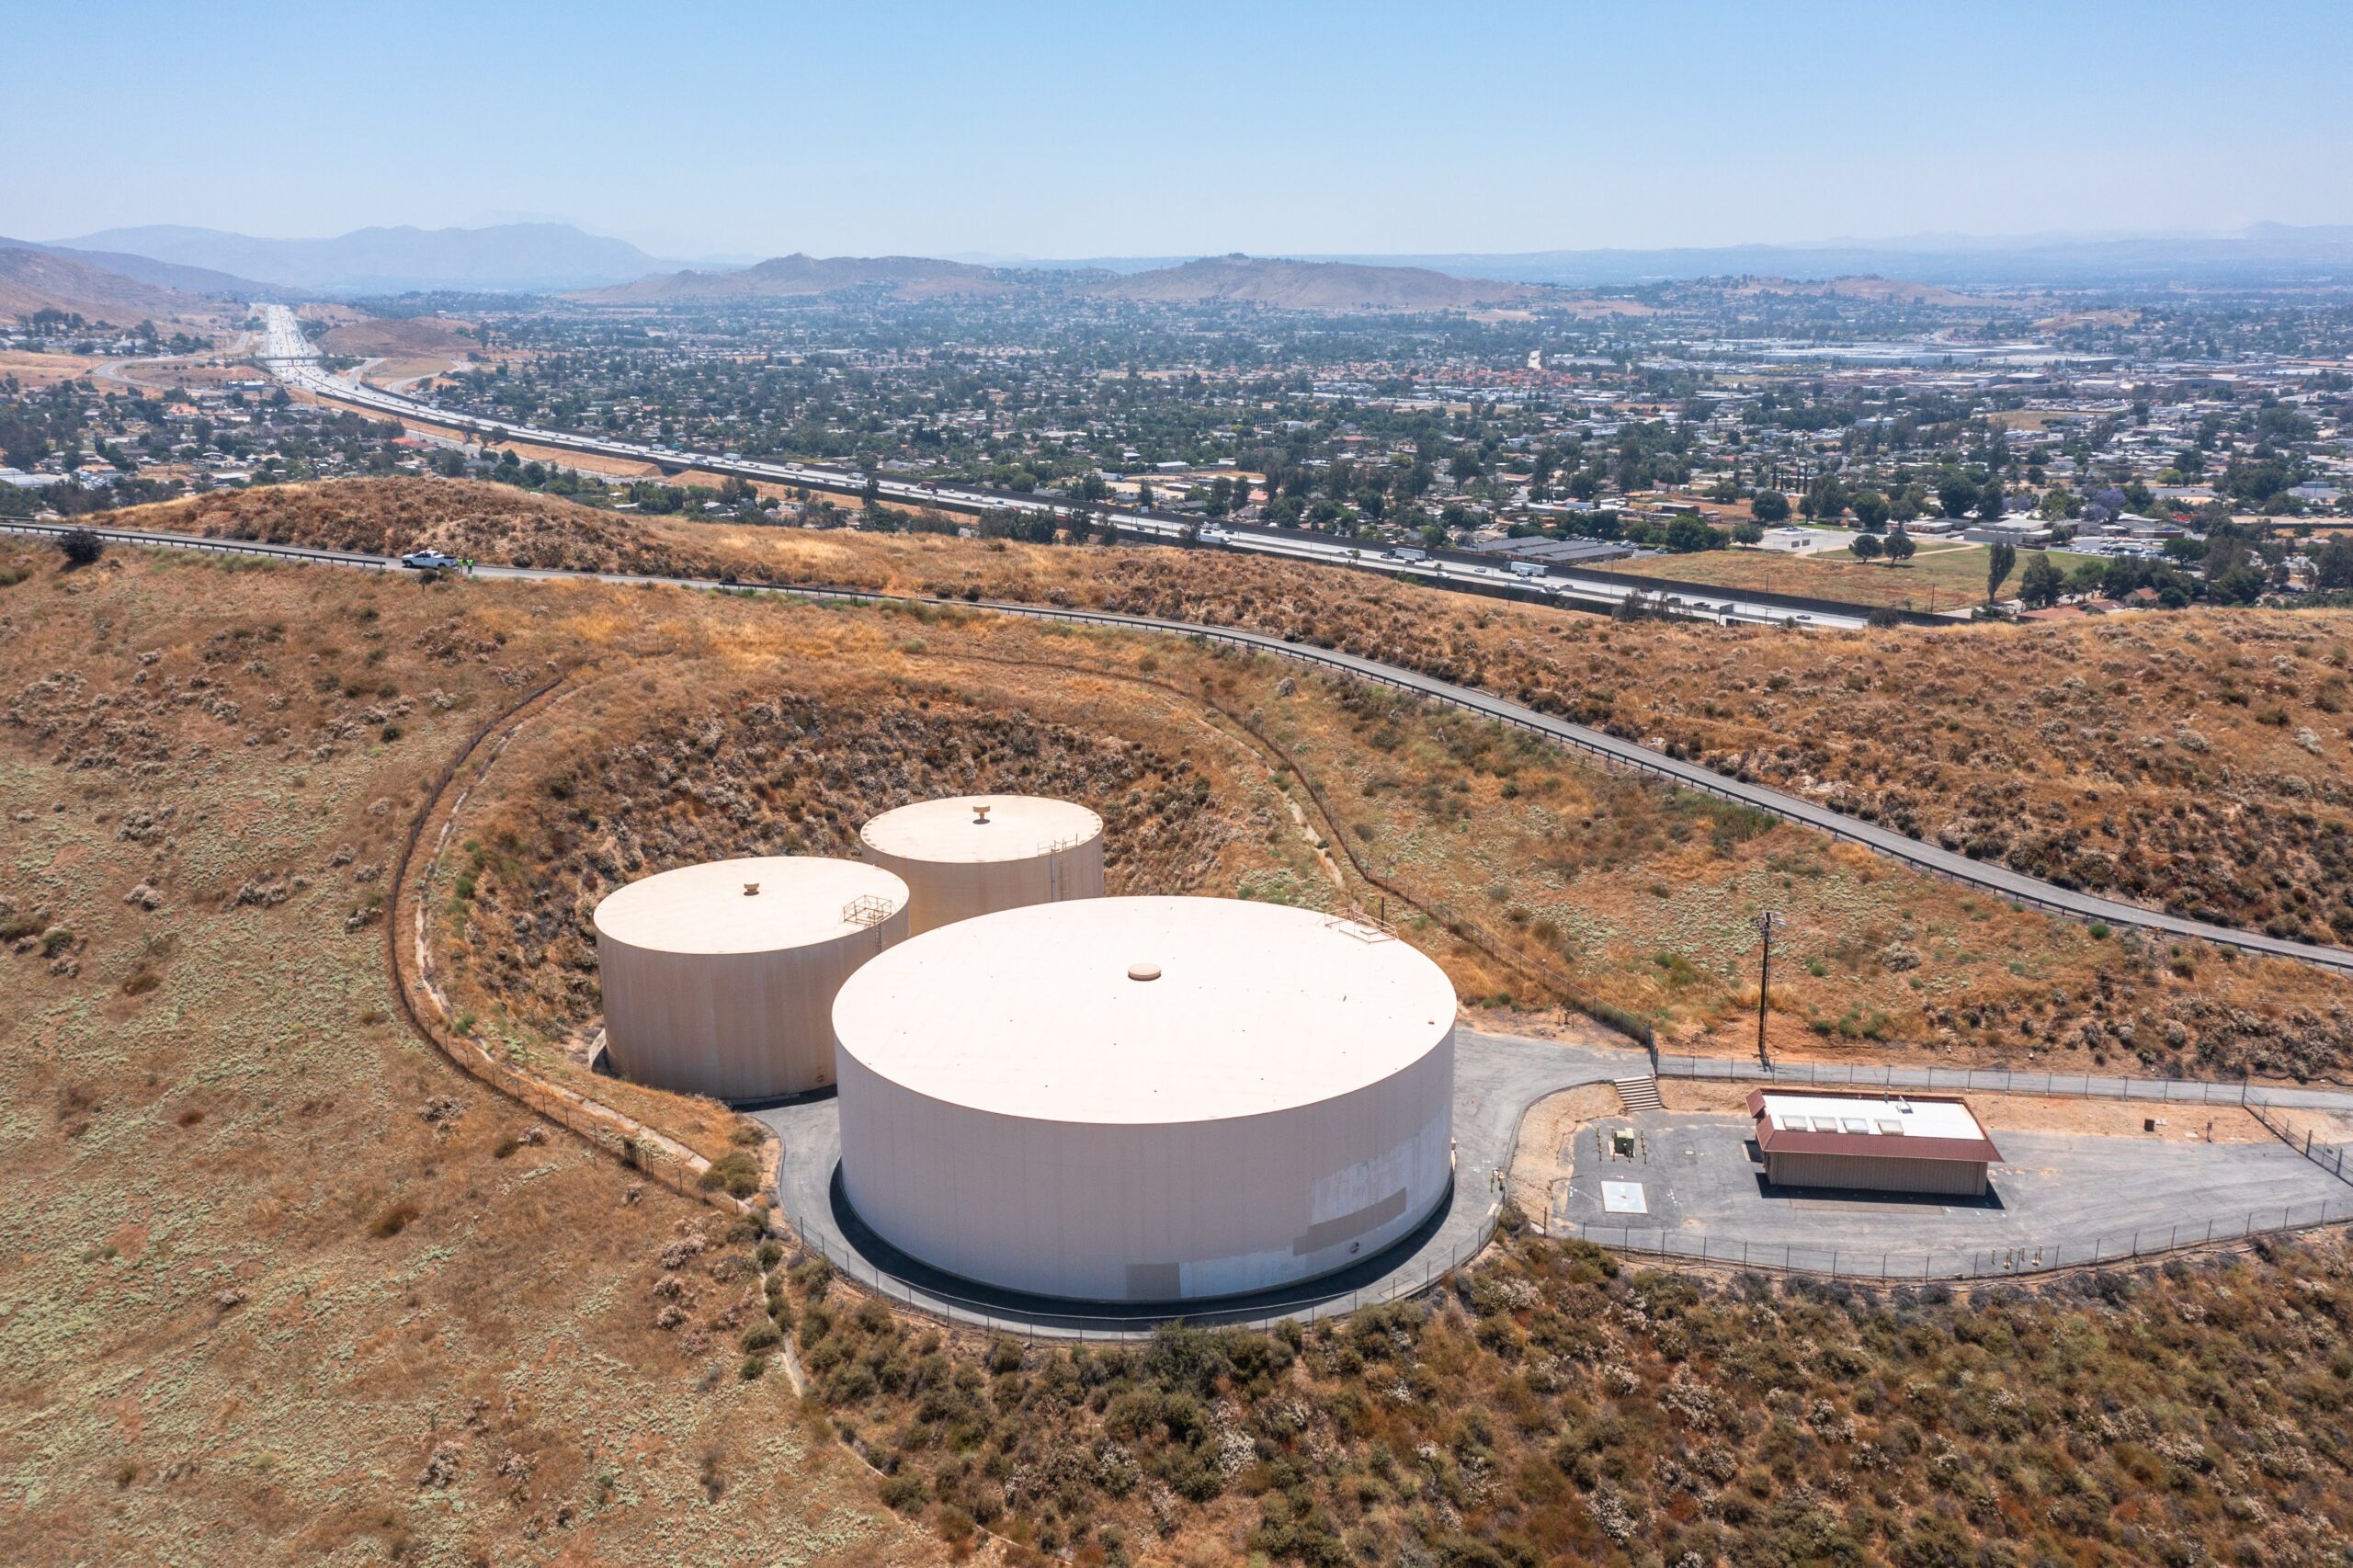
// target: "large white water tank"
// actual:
[[1146, 1099], [976, 853], [718, 978]]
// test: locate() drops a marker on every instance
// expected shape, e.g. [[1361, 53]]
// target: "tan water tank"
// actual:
[[977, 854], [718, 978], [1147, 1099]]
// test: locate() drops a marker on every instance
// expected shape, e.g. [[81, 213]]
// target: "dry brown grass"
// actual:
[[220, 1340], [222, 1345], [426, 337], [2194, 761], [45, 370]]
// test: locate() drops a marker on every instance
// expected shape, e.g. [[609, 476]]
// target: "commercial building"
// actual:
[[718, 978], [1146, 1099], [1922, 1144]]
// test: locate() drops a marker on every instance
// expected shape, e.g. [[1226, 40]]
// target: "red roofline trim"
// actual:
[[1772, 1140]]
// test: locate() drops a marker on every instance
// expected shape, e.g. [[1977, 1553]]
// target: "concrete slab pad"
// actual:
[[1623, 1197]]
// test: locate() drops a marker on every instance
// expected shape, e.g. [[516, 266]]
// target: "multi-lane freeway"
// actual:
[[1999, 881], [289, 356]]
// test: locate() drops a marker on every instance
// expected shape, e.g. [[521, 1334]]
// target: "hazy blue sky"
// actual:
[[1047, 130]]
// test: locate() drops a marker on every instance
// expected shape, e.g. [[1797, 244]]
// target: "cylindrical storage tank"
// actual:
[[720, 979], [1146, 1099], [977, 854]]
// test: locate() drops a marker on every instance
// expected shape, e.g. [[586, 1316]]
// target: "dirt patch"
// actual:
[[47, 369], [413, 337], [1546, 1135]]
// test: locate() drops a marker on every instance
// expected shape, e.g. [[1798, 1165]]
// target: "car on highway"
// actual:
[[427, 561]]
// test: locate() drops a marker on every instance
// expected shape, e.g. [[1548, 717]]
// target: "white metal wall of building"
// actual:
[[713, 991], [1274, 1103], [973, 855], [1875, 1172]]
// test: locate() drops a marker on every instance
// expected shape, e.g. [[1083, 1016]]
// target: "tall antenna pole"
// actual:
[[1765, 923]]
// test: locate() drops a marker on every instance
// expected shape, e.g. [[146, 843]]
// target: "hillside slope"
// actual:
[[33, 280], [280, 1285], [788, 276], [2201, 761], [1314, 286], [391, 260], [1879, 723]]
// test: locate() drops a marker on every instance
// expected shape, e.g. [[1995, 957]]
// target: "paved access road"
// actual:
[[1997, 880], [2057, 1198], [1497, 1078]]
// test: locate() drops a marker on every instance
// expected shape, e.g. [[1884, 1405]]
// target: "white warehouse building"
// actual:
[[718, 978], [971, 855], [1146, 1099]]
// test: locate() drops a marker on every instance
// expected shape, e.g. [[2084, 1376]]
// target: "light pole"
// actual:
[[1765, 923]]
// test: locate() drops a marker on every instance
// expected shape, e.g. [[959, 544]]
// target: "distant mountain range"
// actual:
[[2278, 252], [549, 257], [1287, 285], [1315, 286], [33, 278], [158, 274], [505, 259], [788, 276]]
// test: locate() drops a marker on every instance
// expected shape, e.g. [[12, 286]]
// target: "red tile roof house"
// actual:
[[1916, 1143]]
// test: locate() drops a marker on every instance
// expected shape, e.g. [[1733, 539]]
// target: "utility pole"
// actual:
[[1765, 923]]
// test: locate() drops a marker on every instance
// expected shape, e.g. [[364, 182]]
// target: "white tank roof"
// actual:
[[1256, 1009], [703, 909], [951, 831]]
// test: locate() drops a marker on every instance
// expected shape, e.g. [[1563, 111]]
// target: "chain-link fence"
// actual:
[[1986, 1080], [2330, 1157], [1889, 1266]]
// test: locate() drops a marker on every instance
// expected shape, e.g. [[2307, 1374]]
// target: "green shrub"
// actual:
[[735, 1171], [905, 1493]]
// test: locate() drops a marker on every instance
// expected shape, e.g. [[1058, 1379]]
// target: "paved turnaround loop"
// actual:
[[1997, 880]]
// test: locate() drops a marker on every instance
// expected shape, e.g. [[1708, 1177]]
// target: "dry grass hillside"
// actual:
[[1551, 1406], [2197, 761], [1315, 286], [406, 337], [32, 280], [279, 1285], [1531, 877], [283, 1287]]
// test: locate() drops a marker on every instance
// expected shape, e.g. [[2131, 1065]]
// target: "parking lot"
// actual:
[[2055, 1196]]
